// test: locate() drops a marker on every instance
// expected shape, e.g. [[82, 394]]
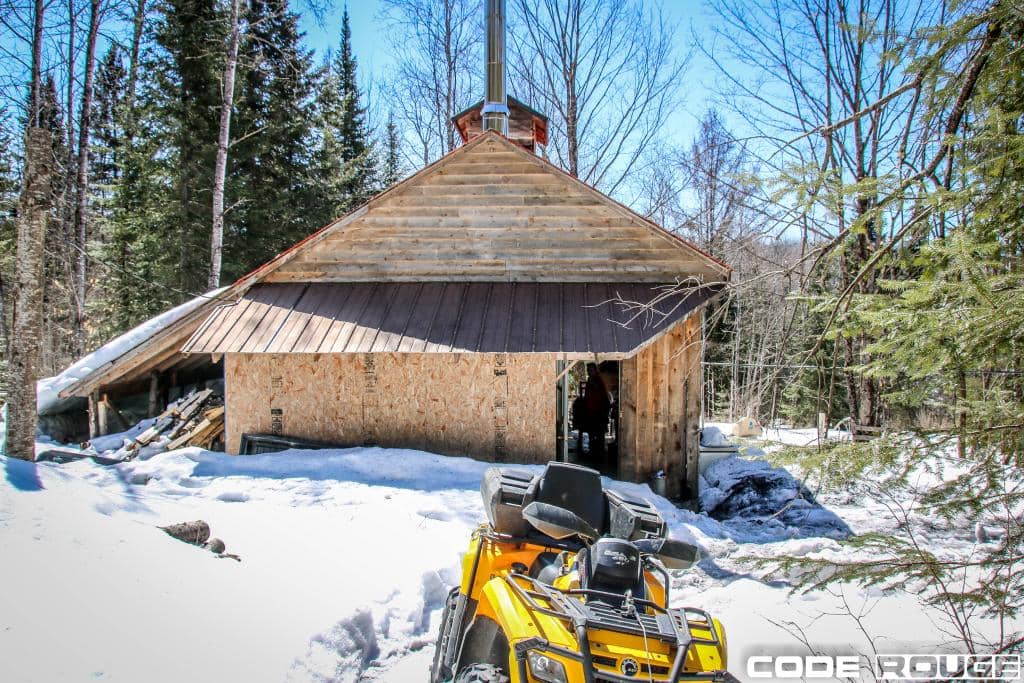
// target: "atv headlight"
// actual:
[[544, 668]]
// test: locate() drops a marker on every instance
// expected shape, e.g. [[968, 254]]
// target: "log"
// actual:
[[196, 533]]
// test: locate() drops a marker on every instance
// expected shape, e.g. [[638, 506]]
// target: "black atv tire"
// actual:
[[437, 673], [482, 673]]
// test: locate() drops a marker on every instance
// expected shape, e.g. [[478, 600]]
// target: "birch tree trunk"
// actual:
[[82, 180], [223, 138]]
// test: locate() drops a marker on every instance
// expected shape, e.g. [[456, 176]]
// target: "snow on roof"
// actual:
[[48, 390]]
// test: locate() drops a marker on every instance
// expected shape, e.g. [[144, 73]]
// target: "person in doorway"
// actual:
[[597, 403], [579, 419]]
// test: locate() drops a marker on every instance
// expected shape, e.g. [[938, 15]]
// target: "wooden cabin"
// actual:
[[447, 313]]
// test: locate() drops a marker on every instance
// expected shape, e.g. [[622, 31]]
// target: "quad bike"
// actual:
[[567, 583]]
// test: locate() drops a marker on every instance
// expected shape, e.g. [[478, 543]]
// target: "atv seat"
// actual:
[[574, 488], [506, 491]]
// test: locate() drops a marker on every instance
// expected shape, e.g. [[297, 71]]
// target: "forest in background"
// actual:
[[852, 149], [862, 172]]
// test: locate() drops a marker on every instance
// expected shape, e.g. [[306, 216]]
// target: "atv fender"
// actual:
[[500, 604], [485, 643], [501, 619]]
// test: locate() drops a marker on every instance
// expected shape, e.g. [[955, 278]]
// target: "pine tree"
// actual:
[[346, 153]]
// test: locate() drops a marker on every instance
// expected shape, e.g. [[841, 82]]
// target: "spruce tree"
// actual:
[[391, 173], [271, 172], [947, 325], [187, 87], [8, 232], [108, 130], [346, 153]]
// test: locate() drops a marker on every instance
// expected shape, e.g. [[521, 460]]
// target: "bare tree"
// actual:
[[223, 139], [33, 213], [82, 177], [794, 71], [606, 72], [440, 71]]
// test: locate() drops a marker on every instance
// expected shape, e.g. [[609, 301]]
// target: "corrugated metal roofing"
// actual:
[[441, 317]]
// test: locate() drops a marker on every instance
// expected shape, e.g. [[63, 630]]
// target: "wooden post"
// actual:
[[103, 421], [691, 421], [627, 420], [94, 414], [154, 408], [112, 412]]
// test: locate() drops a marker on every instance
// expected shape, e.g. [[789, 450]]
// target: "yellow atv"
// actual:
[[567, 583]]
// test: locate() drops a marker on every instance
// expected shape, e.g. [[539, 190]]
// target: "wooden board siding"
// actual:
[[660, 411], [498, 407], [494, 212]]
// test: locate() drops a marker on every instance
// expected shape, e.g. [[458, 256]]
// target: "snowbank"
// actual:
[[347, 556], [48, 389]]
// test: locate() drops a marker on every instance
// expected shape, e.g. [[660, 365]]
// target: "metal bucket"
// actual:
[[657, 483]]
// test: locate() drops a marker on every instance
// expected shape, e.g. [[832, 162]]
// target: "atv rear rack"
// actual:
[[671, 626]]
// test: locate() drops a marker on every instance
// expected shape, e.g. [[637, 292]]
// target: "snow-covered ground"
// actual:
[[346, 557]]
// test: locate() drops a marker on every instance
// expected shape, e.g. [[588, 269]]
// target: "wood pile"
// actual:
[[196, 420]]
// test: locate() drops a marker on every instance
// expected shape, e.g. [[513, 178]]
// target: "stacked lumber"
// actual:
[[195, 420]]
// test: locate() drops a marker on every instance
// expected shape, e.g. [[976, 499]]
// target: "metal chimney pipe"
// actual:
[[495, 109]]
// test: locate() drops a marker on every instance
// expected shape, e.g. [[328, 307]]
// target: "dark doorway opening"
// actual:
[[588, 414]]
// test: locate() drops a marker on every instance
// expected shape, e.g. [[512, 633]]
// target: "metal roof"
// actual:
[[443, 317]]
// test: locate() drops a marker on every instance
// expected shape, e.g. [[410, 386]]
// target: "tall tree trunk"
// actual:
[[23, 364], [36, 86], [58, 338], [82, 205], [450, 73], [223, 138], [138, 23], [33, 212]]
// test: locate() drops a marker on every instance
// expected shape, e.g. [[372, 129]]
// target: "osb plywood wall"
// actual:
[[660, 420], [492, 406]]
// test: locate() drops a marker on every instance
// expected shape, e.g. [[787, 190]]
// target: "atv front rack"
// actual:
[[671, 626]]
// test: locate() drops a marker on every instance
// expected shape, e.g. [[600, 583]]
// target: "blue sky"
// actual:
[[372, 51]]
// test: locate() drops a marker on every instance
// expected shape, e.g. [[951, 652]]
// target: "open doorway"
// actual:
[[587, 395]]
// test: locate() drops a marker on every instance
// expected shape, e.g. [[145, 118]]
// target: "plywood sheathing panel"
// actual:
[[490, 406], [660, 403]]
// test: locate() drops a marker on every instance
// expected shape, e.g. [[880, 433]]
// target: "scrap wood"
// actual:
[[175, 419], [203, 432]]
